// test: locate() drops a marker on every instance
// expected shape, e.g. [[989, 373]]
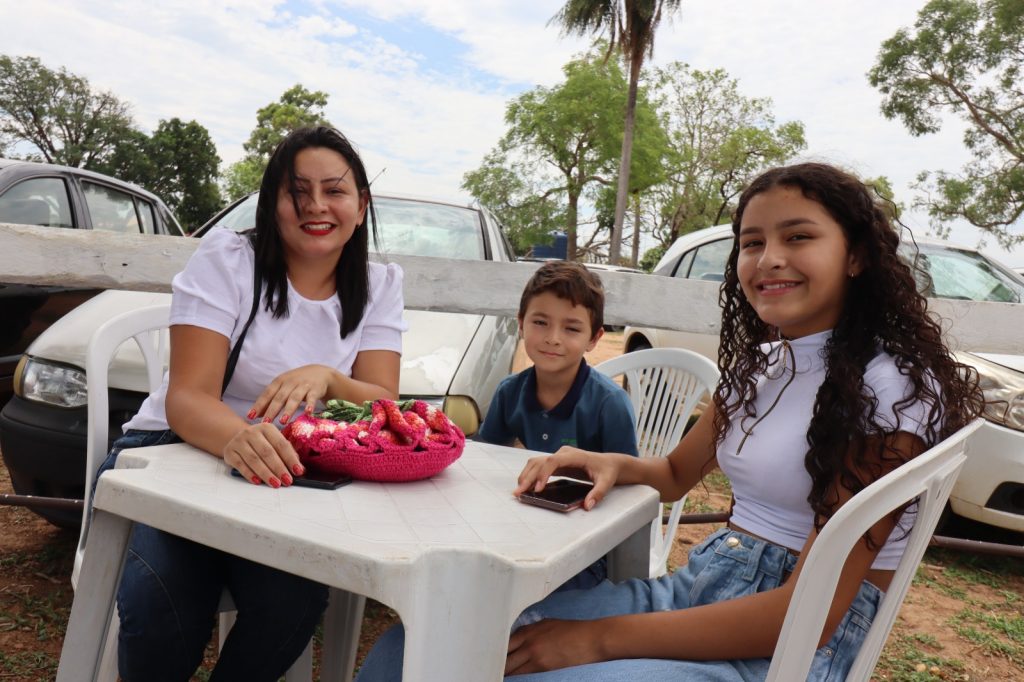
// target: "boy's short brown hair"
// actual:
[[572, 282]]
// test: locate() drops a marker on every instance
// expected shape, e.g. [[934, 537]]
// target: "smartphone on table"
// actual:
[[314, 479], [563, 494]]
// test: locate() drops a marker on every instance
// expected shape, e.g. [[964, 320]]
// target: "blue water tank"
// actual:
[[558, 249]]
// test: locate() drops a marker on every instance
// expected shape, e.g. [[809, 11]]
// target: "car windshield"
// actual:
[[241, 217], [422, 228], [967, 275], [405, 227]]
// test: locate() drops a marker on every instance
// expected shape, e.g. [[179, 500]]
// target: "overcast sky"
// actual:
[[421, 85]]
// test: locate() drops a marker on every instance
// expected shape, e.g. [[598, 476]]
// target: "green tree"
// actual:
[[964, 57], [630, 25], [560, 142], [178, 163], [58, 113], [297, 108], [186, 163], [718, 140], [243, 176]]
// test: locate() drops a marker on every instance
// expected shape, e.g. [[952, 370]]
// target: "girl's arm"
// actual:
[[747, 627], [672, 476]]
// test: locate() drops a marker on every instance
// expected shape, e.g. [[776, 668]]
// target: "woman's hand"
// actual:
[[306, 384], [553, 644], [262, 454], [602, 469]]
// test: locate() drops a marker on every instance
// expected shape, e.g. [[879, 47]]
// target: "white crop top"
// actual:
[[769, 481], [214, 291]]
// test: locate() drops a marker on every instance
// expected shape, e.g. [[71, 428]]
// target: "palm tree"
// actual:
[[630, 25]]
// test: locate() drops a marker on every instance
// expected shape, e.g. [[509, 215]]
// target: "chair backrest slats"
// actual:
[[148, 328], [928, 479], [665, 385]]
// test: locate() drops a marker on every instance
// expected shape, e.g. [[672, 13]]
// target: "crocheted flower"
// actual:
[[383, 440]]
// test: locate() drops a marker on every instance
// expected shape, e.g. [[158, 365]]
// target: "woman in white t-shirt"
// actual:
[[833, 374], [327, 323]]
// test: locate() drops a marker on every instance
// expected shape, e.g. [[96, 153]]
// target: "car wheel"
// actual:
[[642, 344]]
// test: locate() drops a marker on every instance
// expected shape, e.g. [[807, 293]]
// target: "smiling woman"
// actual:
[[263, 326]]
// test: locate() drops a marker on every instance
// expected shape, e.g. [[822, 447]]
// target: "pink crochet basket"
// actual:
[[383, 441]]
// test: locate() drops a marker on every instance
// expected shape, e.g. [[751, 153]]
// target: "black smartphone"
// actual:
[[314, 479], [562, 495]]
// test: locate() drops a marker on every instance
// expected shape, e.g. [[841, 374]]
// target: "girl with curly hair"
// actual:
[[833, 374]]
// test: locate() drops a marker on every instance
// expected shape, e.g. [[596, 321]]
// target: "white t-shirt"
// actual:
[[769, 481], [214, 291]]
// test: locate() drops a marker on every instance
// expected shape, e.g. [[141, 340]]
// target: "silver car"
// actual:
[[454, 361], [990, 488]]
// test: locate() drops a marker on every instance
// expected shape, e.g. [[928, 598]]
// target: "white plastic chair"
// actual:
[[148, 327], [665, 385], [929, 478]]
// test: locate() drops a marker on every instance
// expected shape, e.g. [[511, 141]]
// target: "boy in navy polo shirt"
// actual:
[[561, 400]]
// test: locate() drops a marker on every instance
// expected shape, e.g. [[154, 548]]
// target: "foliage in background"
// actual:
[[630, 25], [964, 57], [561, 142], [178, 163], [297, 108], [700, 142], [70, 124], [58, 113], [719, 140]]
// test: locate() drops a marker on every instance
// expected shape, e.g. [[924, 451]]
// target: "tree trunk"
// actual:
[[615, 245], [570, 225], [636, 229]]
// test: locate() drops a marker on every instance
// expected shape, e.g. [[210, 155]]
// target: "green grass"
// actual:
[[28, 665], [903, 655]]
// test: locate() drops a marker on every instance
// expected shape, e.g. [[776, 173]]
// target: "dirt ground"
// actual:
[[963, 618]]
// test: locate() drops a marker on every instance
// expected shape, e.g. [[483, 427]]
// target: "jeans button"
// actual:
[[828, 653], [733, 541]]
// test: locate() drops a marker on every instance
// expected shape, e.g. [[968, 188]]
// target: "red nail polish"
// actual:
[[286, 478], [256, 480], [266, 420], [274, 483], [251, 415], [284, 418], [299, 469]]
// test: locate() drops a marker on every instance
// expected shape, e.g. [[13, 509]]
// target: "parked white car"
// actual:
[[990, 489], [452, 360]]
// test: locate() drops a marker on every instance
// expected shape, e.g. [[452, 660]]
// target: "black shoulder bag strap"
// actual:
[[229, 370]]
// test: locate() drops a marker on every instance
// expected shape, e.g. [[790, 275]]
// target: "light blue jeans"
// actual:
[[720, 568]]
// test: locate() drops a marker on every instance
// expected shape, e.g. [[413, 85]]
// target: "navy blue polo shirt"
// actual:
[[594, 415]]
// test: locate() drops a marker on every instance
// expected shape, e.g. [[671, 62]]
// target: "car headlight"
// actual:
[[50, 383], [463, 411], [1003, 389], [460, 409]]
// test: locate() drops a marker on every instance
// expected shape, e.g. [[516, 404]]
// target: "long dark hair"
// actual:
[[352, 276], [882, 311]]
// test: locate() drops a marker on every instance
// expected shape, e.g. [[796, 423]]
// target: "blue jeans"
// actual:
[[168, 600], [718, 569]]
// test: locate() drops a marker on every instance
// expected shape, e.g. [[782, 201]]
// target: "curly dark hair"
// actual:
[[883, 312]]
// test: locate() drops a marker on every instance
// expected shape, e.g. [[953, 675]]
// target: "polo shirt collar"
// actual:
[[563, 410]]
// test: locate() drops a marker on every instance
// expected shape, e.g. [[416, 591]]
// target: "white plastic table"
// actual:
[[456, 555]]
